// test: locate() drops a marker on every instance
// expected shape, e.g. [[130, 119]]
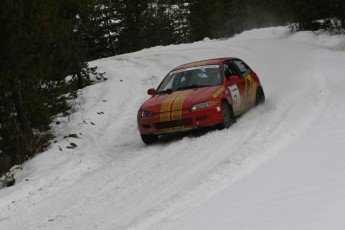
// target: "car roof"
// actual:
[[215, 61]]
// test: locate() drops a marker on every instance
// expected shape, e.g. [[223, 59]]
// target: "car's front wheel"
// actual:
[[228, 117], [149, 138]]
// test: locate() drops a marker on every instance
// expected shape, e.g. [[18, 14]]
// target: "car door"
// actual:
[[248, 84], [235, 84]]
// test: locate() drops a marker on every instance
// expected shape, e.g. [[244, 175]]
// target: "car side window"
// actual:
[[242, 67], [230, 69]]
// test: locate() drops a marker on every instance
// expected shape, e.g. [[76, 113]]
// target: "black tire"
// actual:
[[149, 138], [228, 117], [260, 96]]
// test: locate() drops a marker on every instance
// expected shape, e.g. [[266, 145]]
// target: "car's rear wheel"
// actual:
[[228, 117], [260, 96], [149, 138]]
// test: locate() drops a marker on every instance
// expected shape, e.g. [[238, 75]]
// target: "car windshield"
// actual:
[[195, 77]]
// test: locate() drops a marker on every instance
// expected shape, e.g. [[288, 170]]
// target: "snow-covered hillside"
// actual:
[[281, 166]]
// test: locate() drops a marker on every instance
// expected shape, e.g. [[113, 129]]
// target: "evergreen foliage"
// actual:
[[39, 47], [98, 25], [203, 19], [134, 25]]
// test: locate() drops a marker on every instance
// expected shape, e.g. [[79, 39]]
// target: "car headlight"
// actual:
[[203, 105], [199, 106], [145, 113]]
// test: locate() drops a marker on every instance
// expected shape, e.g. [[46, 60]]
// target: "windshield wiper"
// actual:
[[165, 91], [191, 87], [183, 88]]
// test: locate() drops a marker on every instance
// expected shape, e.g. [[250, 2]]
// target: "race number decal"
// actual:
[[236, 98]]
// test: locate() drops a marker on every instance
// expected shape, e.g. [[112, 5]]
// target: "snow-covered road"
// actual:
[[281, 166]]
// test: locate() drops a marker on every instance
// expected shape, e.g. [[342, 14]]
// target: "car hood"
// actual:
[[179, 99]]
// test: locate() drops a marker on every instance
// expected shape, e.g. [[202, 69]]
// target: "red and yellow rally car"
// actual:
[[204, 93]]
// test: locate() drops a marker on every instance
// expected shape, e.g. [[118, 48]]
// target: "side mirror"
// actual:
[[151, 91], [234, 78]]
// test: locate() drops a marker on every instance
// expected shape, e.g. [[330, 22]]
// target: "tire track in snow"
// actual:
[[208, 170]]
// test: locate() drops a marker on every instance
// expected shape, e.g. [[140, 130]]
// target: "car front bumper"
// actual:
[[186, 120]]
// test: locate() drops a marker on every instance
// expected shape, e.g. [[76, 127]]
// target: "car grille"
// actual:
[[172, 124]]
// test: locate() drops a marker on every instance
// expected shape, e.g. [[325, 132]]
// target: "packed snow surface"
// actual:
[[281, 166]]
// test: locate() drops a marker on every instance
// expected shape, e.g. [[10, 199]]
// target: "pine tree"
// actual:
[[134, 16], [161, 27], [180, 18], [98, 24], [39, 48], [167, 23], [203, 20]]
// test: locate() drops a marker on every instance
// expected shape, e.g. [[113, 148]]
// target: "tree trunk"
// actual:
[[80, 81], [21, 112]]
